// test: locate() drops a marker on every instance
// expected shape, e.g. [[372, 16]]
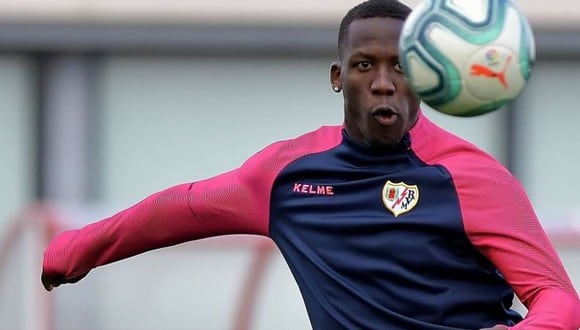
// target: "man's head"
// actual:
[[370, 9], [379, 105]]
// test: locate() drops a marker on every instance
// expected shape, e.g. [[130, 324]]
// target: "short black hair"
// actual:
[[370, 9]]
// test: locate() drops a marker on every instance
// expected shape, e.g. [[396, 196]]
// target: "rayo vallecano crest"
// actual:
[[400, 197]]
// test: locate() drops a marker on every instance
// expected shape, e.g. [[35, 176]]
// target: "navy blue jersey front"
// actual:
[[364, 259]]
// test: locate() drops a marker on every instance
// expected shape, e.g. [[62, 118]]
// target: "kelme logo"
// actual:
[[400, 197]]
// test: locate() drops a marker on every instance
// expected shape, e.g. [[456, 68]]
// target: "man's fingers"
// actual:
[[46, 283], [49, 282]]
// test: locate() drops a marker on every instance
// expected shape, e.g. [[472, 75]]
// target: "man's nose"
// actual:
[[383, 83]]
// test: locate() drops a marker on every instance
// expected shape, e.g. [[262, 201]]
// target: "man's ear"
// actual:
[[336, 76]]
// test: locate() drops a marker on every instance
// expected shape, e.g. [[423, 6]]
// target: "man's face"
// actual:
[[379, 106]]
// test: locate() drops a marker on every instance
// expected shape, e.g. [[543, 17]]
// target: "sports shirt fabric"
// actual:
[[430, 234]]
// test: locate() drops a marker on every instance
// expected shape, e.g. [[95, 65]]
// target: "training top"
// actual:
[[431, 234]]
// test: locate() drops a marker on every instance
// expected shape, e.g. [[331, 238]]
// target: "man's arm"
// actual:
[[500, 222], [221, 205]]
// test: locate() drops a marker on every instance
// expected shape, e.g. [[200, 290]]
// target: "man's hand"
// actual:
[[50, 281]]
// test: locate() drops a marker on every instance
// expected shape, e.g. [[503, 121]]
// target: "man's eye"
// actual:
[[398, 68], [364, 65]]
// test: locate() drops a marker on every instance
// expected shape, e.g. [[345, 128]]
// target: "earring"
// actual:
[[336, 88]]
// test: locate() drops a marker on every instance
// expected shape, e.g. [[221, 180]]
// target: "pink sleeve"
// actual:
[[500, 222], [221, 205]]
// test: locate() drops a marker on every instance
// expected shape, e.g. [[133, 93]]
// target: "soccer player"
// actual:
[[386, 221]]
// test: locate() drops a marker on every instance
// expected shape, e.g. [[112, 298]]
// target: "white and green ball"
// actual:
[[467, 57]]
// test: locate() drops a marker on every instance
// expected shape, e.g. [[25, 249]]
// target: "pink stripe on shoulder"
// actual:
[[434, 145], [272, 159]]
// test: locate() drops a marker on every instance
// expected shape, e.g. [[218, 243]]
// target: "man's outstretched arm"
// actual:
[[218, 206]]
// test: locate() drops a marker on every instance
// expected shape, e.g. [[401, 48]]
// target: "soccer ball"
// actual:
[[467, 57]]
